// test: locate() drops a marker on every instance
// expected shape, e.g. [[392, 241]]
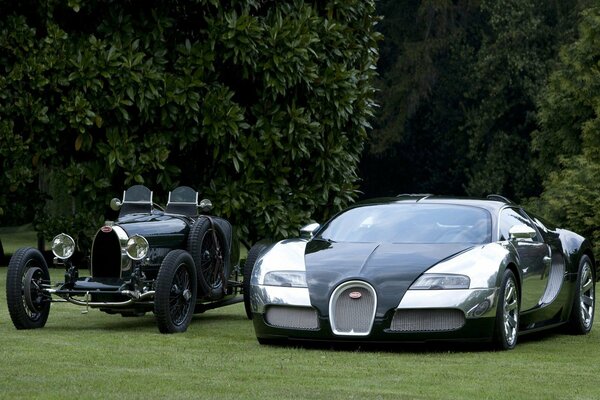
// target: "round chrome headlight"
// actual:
[[137, 247], [63, 246]]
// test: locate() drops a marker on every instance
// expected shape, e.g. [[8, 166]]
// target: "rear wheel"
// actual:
[[207, 247], [28, 304], [175, 295], [507, 313], [253, 254], [582, 313]]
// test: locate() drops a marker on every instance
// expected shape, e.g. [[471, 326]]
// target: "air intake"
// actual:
[[292, 317], [427, 320]]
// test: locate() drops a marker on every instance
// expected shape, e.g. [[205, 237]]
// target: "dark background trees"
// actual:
[[489, 96], [265, 106]]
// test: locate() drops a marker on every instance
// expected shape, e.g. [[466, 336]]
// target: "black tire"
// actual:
[[176, 291], [210, 259], [27, 310], [582, 312], [507, 313], [253, 254]]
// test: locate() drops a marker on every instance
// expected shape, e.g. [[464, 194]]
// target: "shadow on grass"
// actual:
[[408, 347], [418, 347], [117, 323]]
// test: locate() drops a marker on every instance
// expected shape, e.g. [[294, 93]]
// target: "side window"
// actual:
[[510, 217]]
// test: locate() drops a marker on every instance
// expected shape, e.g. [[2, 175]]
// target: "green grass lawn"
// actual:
[[96, 355], [15, 237]]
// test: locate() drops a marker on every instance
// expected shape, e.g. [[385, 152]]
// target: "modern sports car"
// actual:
[[421, 268]]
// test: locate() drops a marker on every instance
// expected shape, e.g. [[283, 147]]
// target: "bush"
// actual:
[[263, 106]]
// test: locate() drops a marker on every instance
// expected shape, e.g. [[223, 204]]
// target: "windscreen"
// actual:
[[183, 194], [410, 223], [138, 194]]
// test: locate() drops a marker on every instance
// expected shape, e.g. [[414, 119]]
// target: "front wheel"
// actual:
[[28, 303], [507, 313], [582, 313], [175, 295], [253, 254]]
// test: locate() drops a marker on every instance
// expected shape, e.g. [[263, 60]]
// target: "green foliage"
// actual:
[[510, 67], [264, 107], [568, 142], [459, 83]]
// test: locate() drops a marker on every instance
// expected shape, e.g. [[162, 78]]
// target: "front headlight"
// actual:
[[63, 246], [137, 247], [441, 281], [285, 278]]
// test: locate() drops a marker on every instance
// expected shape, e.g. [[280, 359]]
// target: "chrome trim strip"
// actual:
[[133, 300], [123, 238]]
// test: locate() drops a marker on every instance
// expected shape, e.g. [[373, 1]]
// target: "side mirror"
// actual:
[[116, 204], [307, 231], [205, 205], [521, 232]]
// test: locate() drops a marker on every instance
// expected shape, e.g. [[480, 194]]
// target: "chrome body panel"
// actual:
[[262, 296], [286, 255], [466, 300], [482, 264]]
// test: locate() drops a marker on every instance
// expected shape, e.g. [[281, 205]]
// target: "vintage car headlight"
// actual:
[[441, 281], [285, 278], [137, 247], [63, 246]]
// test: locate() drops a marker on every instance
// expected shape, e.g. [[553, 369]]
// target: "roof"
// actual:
[[492, 203]]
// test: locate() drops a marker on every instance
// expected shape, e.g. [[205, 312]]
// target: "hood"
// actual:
[[389, 267]]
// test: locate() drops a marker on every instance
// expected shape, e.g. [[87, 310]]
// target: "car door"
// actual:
[[534, 256]]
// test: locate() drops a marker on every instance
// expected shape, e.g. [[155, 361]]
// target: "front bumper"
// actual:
[[475, 307]]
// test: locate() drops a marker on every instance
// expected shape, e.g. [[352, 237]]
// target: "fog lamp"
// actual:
[[63, 246], [137, 247]]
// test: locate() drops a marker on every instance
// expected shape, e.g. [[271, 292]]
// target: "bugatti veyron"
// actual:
[[421, 268]]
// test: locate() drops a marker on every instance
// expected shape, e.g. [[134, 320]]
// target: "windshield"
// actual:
[[183, 194], [138, 194], [410, 223]]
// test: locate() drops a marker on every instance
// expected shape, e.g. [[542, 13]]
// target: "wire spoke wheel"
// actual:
[[180, 296], [175, 295], [27, 276], [207, 246], [212, 260]]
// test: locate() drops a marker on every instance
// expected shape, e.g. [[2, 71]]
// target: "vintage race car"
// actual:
[[421, 268], [171, 261]]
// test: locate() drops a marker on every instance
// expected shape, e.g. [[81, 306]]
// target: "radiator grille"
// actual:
[[427, 320], [292, 317], [352, 309], [106, 255]]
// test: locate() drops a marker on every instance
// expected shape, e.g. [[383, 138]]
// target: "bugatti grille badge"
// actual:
[[355, 295], [106, 229]]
